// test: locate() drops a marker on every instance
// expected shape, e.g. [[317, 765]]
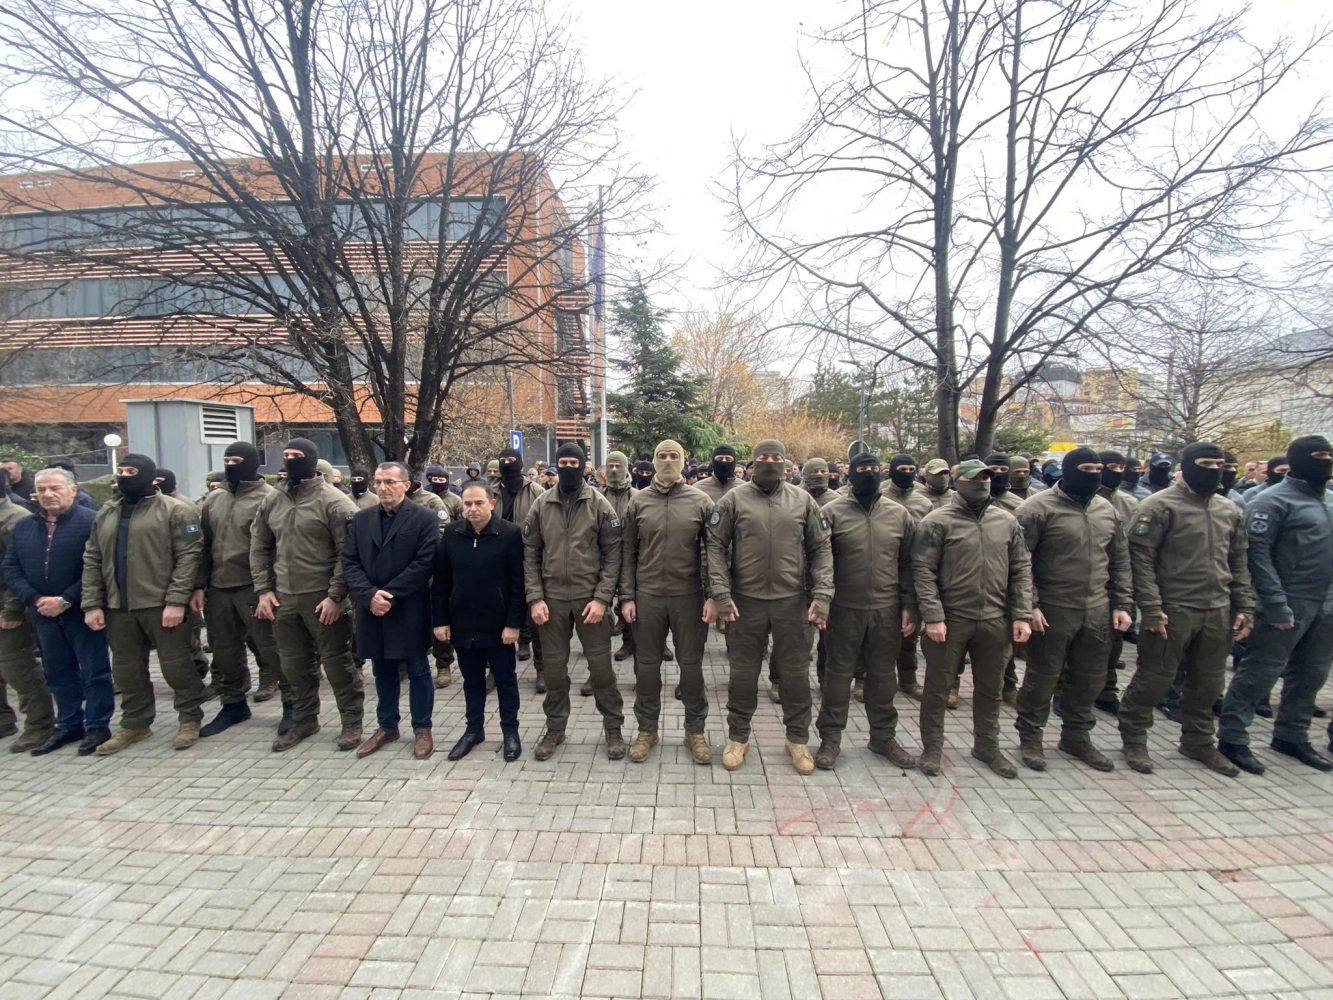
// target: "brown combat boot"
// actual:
[[697, 744], [615, 745], [29, 739], [294, 736], [122, 739], [186, 736], [859, 689], [826, 757], [996, 761], [733, 754], [1137, 758], [547, 744], [1211, 758], [930, 760], [443, 676], [642, 746], [952, 700], [267, 692], [911, 688], [800, 757], [350, 737], [1086, 752], [894, 751], [1032, 754]]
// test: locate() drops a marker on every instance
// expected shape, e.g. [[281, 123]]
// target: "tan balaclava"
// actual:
[[617, 477], [667, 472]]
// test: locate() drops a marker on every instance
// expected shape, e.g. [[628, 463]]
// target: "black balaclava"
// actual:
[[511, 469], [167, 483], [1276, 477], [1229, 475], [641, 474], [302, 468], [1160, 474], [359, 488], [432, 473], [999, 481], [247, 470], [1202, 481], [901, 479], [571, 480], [724, 472], [865, 485], [1111, 480], [135, 488], [769, 475], [1132, 476], [1050, 473], [1304, 466], [1079, 484]]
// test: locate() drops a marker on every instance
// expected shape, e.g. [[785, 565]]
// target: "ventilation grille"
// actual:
[[218, 425]]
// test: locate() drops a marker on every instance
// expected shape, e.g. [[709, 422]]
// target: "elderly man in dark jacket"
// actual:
[[388, 556], [479, 606]]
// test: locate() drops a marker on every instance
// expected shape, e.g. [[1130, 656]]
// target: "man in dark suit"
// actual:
[[388, 557], [479, 605]]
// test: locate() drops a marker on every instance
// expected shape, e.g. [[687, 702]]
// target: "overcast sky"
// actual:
[[705, 69]]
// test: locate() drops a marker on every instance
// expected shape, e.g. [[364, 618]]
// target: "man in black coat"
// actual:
[[479, 605], [388, 557]]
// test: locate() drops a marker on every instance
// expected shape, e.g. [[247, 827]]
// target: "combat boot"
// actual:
[[30, 739], [615, 745], [122, 739], [930, 761], [350, 737], [996, 761], [295, 735], [859, 689], [951, 701], [586, 688], [267, 691], [547, 744], [541, 683], [1137, 758], [774, 695], [642, 746], [186, 736], [800, 757], [911, 688], [625, 651], [1032, 754], [697, 744], [826, 757], [1211, 758], [443, 675], [894, 751], [1086, 752], [733, 754]]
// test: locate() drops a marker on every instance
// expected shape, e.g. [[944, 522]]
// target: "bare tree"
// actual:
[[1015, 170], [723, 348], [373, 186]]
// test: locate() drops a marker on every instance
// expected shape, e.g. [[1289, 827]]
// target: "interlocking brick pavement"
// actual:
[[227, 871]]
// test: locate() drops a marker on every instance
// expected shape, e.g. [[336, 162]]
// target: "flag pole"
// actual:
[[599, 334]]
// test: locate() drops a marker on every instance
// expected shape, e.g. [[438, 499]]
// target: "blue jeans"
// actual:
[[420, 692], [472, 663], [78, 670]]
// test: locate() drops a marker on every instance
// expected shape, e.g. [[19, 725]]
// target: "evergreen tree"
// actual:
[[657, 400]]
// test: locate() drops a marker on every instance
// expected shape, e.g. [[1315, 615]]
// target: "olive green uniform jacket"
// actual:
[[226, 518], [1080, 558], [296, 540], [872, 554], [970, 566], [664, 541], [166, 550], [571, 547]]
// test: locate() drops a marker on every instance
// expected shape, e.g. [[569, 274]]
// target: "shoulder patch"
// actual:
[[350, 516], [191, 527], [615, 522], [1258, 523], [823, 522], [715, 517], [442, 514]]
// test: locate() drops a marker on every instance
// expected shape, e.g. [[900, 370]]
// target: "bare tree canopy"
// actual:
[[978, 182], [391, 194]]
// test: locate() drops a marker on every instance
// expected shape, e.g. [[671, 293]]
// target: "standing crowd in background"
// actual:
[[981, 565]]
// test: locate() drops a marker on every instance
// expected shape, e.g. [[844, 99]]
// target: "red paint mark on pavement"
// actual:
[[912, 828]]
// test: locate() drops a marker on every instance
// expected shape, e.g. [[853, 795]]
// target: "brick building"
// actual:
[[77, 338]]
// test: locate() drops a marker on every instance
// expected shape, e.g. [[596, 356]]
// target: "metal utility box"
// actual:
[[187, 436]]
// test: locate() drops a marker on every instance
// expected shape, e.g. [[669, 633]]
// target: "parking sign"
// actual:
[[516, 440]]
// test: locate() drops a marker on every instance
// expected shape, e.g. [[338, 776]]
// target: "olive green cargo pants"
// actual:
[[683, 616], [861, 640], [230, 614], [566, 619], [131, 635], [986, 643], [303, 645], [746, 640], [21, 673], [1082, 639]]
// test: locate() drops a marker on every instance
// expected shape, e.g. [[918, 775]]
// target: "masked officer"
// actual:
[[874, 607], [19, 669], [296, 543], [815, 479], [1192, 586], [1020, 479], [900, 486], [1290, 529], [446, 508], [571, 567], [937, 483], [139, 571], [514, 500], [1114, 466], [493, 473], [1159, 472], [1081, 590], [617, 492], [641, 474], [662, 585], [724, 479], [974, 585], [227, 597], [1277, 466], [999, 481], [437, 482], [1132, 481], [765, 539], [362, 495]]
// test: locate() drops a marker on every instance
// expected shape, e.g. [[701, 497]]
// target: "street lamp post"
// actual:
[[112, 442]]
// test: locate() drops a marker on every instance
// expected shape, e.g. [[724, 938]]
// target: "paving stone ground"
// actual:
[[228, 871]]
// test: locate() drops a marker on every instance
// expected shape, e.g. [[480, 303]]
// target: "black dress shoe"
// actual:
[[1108, 703], [1264, 710], [94, 739], [1303, 752], [1241, 757], [465, 744], [58, 739], [513, 748]]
